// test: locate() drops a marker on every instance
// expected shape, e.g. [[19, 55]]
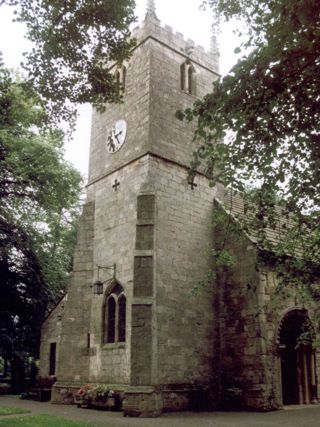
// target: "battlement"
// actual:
[[152, 27]]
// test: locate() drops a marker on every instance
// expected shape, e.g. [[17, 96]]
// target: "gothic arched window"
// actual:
[[123, 77], [122, 318], [117, 79], [111, 319], [183, 76], [120, 76], [114, 315], [187, 77]]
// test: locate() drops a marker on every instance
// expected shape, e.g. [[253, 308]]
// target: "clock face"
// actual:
[[116, 136]]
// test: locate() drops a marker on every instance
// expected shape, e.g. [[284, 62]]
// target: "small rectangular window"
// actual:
[[52, 358]]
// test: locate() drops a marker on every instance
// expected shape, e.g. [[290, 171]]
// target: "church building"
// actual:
[[135, 316]]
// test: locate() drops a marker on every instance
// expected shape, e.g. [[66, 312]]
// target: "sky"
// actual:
[[183, 16]]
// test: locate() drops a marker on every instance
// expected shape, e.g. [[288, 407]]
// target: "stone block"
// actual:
[[143, 276], [144, 237]]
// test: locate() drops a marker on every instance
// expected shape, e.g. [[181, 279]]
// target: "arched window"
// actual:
[[123, 77], [191, 79], [117, 78], [187, 77], [114, 315], [111, 320], [120, 75], [122, 319], [183, 76]]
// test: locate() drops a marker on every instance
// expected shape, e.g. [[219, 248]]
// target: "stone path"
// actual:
[[295, 416]]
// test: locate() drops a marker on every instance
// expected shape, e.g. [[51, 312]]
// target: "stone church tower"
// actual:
[[133, 318]]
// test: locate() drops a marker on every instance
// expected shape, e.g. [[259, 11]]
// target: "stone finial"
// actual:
[[151, 8]]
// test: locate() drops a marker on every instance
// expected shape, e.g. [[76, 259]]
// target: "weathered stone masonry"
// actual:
[[142, 216]]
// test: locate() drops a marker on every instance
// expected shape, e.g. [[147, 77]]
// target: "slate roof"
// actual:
[[233, 202]]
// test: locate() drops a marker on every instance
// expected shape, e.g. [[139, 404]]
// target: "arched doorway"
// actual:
[[298, 369]]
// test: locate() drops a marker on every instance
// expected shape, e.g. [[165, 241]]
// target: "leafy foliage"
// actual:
[[74, 42], [39, 204], [261, 123], [270, 102]]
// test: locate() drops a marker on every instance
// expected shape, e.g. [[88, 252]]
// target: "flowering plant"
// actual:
[[97, 395], [84, 392], [99, 392]]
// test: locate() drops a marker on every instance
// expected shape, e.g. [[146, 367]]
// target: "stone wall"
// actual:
[[184, 309], [114, 243], [73, 360], [151, 98], [250, 309], [172, 342], [51, 333], [156, 229], [240, 359], [175, 41], [171, 138]]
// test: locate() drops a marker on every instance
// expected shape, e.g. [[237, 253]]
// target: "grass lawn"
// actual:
[[41, 421], [5, 410]]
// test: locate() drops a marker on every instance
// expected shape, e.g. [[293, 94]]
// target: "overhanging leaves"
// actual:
[[74, 42]]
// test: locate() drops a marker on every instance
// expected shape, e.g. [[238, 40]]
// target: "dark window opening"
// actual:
[[124, 77], [120, 76], [88, 340], [183, 76], [117, 78], [190, 79], [114, 315], [122, 319], [52, 358], [111, 320]]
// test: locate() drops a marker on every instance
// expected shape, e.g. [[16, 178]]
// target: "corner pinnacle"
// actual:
[[151, 8]]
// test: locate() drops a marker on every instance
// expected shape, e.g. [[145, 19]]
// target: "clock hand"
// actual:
[[117, 134], [111, 144]]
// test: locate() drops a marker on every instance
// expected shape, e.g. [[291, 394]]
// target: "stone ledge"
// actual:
[[145, 222], [139, 389], [113, 346], [142, 301], [143, 253]]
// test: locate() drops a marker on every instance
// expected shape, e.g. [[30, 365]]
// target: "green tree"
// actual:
[[73, 44], [261, 122], [39, 205]]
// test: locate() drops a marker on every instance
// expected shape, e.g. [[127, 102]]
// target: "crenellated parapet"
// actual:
[[152, 27]]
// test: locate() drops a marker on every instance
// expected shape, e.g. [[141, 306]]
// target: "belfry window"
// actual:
[[120, 76], [187, 77], [114, 315]]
